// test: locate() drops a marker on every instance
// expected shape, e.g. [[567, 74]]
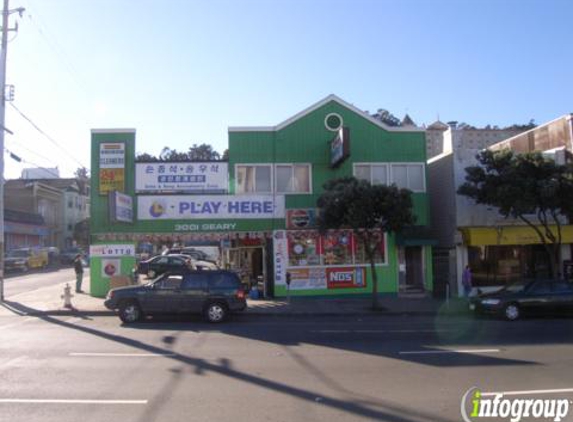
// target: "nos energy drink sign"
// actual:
[[186, 207]]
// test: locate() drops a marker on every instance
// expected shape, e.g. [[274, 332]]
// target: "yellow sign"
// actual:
[[511, 235], [110, 180]]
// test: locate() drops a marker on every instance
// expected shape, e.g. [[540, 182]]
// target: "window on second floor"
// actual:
[[404, 175], [253, 178], [293, 178]]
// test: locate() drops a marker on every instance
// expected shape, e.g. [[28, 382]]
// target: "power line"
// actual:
[[48, 137], [53, 44], [37, 154], [21, 160]]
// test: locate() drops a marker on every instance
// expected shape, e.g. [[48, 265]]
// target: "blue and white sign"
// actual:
[[188, 207], [196, 177]]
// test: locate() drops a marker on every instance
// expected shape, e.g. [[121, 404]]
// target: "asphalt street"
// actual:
[[273, 368]]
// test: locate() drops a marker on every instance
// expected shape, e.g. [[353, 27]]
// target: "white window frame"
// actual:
[[291, 165], [407, 174], [253, 165], [386, 165]]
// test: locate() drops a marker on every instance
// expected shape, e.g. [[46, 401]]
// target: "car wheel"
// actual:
[[151, 274], [511, 311], [129, 312], [215, 312]]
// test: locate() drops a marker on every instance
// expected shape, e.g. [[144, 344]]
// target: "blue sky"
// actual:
[[182, 71]]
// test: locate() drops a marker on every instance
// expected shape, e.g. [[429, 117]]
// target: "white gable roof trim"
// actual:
[[316, 106]]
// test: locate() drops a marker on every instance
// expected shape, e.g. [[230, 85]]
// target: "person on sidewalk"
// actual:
[[79, 269], [467, 281]]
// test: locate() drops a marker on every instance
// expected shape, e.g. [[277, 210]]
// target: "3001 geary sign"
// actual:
[[188, 207]]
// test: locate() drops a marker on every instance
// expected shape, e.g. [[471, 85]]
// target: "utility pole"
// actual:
[[6, 12]]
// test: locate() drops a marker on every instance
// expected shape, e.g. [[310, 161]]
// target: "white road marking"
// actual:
[[528, 392], [380, 331], [122, 355], [62, 401], [435, 352], [22, 321]]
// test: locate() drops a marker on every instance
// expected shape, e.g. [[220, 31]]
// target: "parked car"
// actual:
[[161, 264], [195, 254], [526, 297], [25, 258], [215, 294], [68, 255]]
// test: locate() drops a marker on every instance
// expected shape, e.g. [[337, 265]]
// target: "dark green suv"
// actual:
[[215, 294]]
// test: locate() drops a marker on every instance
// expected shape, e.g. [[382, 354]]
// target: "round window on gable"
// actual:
[[333, 121]]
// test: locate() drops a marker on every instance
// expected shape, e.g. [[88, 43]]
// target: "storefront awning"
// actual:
[[509, 235], [415, 236]]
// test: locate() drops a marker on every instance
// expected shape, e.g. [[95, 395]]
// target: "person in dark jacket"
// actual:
[[79, 269]]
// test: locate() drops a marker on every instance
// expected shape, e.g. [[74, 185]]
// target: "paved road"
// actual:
[[19, 283], [256, 368]]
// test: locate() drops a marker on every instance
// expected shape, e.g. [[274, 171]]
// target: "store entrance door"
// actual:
[[412, 270], [250, 263]]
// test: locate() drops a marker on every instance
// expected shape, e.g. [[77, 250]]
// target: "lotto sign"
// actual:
[[345, 277], [112, 250], [214, 207]]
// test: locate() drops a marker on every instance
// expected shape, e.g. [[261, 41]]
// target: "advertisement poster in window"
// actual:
[[303, 248], [337, 247], [307, 278], [346, 277]]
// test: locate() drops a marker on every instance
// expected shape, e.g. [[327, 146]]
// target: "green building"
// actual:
[[259, 208]]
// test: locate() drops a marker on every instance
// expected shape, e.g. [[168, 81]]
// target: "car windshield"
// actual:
[[19, 253]]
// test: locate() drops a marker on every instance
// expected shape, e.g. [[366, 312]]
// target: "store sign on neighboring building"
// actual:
[[120, 207], [188, 207], [304, 218], [111, 167], [193, 177], [340, 147]]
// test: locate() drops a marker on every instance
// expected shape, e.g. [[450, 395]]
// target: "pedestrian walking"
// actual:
[[79, 269], [467, 281]]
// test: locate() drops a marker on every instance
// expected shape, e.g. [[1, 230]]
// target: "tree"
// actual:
[[83, 177], [530, 187], [368, 210], [387, 118]]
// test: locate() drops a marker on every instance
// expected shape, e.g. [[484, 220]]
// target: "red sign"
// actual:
[[345, 277], [304, 218]]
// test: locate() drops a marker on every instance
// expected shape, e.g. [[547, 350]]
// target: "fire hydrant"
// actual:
[[67, 296]]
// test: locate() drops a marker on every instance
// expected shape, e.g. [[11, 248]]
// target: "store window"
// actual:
[[337, 248], [379, 255], [293, 178], [253, 179], [303, 247], [494, 265]]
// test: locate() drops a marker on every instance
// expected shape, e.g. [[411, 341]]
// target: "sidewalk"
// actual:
[[48, 300]]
